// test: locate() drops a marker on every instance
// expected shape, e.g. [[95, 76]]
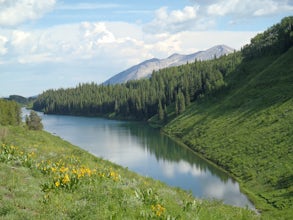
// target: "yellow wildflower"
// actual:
[[66, 179], [114, 176], [63, 169], [158, 209], [57, 183]]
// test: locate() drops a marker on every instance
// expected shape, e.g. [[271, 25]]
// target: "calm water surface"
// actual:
[[148, 152]]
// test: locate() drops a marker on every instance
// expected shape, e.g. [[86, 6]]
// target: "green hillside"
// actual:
[[248, 130], [44, 177]]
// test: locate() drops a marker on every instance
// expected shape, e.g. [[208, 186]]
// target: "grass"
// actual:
[[247, 129], [45, 177]]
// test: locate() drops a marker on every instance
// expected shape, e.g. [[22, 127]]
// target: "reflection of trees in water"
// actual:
[[166, 149]]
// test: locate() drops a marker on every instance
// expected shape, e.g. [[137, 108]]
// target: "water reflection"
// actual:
[[166, 149], [148, 152]]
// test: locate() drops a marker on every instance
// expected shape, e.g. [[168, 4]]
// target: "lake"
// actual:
[[147, 151]]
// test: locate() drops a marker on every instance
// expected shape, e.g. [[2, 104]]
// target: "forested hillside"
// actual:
[[21, 100], [276, 40], [143, 98], [176, 86]]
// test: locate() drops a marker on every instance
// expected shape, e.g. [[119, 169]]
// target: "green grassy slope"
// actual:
[[248, 130], [44, 177]]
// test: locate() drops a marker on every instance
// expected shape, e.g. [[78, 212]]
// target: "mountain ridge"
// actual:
[[145, 68]]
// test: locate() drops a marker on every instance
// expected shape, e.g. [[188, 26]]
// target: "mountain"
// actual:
[[145, 69]]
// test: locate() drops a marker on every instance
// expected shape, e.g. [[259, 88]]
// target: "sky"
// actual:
[[51, 44]]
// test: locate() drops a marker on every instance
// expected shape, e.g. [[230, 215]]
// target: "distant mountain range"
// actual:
[[145, 69]]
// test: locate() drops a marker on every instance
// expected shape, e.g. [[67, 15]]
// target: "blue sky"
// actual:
[[59, 43]]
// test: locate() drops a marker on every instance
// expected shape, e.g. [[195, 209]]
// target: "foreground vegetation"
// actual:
[[44, 177]]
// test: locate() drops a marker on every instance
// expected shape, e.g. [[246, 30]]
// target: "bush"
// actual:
[[33, 121]]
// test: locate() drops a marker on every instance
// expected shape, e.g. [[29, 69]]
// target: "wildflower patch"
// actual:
[[64, 175], [11, 153]]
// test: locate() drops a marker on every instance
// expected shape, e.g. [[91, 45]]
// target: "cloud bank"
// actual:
[[37, 43], [14, 12], [240, 8]]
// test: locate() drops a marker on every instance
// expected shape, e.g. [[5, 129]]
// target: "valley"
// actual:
[[235, 110]]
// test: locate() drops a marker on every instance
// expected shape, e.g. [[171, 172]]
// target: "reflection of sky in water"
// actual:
[[202, 183], [133, 147]]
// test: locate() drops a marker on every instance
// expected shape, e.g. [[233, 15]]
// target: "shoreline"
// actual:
[[250, 196], [242, 188]]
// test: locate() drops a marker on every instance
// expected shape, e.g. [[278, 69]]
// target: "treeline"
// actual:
[[141, 99], [10, 113], [175, 86], [20, 99], [275, 40]]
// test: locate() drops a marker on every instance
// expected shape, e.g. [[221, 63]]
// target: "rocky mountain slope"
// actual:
[[145, 69]]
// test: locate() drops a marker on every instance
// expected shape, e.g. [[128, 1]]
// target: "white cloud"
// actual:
[[204, 15], [170, 169], [86, 6], [97, 33], [201, 40], [186, 14], [241, 8], [116, 44], [20, 39], [174, 21], [3, 41], [87, 41], [14, 12]]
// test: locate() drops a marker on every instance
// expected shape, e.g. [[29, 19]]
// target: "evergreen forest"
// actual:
[[176, 86], [141, 99]]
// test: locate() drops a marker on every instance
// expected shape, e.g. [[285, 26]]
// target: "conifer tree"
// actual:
[[160, 111]]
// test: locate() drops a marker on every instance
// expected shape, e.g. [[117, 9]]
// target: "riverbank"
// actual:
[[50, 178], [251, 196], [272, 202]]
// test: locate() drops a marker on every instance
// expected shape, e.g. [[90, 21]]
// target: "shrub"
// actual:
[[33, 121]]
